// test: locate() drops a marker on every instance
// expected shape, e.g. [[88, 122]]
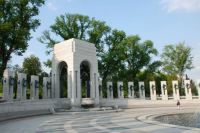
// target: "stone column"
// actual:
[[110, 90], [8, 84], [130, 90], [100, 89], [53, 85], [198, 87], [153, 90], [141, 90], [34, 87], [70, 85], [120, 89], [21, 86], [78, 92], [46, 90], [164, 90], [188, 92], [76, 89], [175, 90], [96, 88]]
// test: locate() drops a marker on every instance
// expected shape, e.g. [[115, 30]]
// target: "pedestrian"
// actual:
[[178, 104]]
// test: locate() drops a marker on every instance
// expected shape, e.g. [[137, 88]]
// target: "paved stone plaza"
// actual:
[[138, 120]]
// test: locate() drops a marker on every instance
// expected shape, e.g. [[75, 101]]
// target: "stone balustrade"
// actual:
[[133, 92]]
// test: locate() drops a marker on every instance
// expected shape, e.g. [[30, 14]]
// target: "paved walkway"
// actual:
[[137, 120]]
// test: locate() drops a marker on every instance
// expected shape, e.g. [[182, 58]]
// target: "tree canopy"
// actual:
[[32, 65], [75, 26], [126, 56], [177, 59], [16, 23]]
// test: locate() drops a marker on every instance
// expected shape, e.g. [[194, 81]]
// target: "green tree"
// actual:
[[177, 59], [138, 55], [48, 63], [111, 64], [126, 56], [32, 65], [75, 26], [17, 21]]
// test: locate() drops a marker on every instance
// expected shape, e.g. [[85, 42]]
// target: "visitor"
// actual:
[[178, 104]]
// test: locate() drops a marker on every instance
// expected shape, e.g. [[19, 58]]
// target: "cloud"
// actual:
[[181, 5], [51, 6]]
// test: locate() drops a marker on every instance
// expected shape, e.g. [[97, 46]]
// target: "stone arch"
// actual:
[[74, 52], [63, 79]]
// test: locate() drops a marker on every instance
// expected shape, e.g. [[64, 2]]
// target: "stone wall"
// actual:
[[16, 109]]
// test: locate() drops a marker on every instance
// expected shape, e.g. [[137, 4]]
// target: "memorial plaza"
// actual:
[[94, 113]]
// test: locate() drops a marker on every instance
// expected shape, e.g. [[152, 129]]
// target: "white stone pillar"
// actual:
[[92, 86], [76, 89], [188, 92], [175, 87], [153, 90], [96, 88], [8, 84], [100, 89], [70, 84], [46, 90], [141, 90], [56, 85], [198, 87], [110, 90], [130, 90], [52, 85], [76, 96], [34, 87], [120, 89], [21, 86], [164, 90]]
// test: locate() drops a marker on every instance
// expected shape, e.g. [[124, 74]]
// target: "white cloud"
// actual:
[[51, 6], [183, 5]]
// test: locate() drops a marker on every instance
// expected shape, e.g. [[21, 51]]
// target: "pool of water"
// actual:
[[183, 119]]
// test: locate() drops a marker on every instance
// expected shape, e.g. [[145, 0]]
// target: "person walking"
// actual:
[[178, 104]]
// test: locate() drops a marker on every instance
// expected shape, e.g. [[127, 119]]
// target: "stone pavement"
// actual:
[[138, 120]]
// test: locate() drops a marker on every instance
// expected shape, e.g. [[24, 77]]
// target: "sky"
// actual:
[[162, 21]]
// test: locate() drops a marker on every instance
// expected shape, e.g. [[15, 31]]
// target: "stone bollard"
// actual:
[[153, 90], [130, 90], [175, 87], [120, 89], [141, 90], [21, 86], [46, 90], [34, 87], [164, 90], [8, 84], [188, 92], [110, 90]]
